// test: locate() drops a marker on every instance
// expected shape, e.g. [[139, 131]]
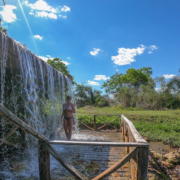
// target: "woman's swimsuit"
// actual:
[[64, 108]]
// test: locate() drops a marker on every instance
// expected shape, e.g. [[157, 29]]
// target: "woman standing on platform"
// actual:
[[68, 110]]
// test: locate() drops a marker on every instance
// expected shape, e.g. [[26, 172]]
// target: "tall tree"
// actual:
[[60, 66], [3, 29]]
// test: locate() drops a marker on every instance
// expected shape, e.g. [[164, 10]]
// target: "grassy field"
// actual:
[[155, 125]]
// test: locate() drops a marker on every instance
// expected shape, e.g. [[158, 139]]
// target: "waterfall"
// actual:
[[34, 91]]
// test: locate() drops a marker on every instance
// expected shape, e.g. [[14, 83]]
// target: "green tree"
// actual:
[[60, 66], [133, 79], [3, 30], [86, 95], [100, 100], [81, 95], [127, 87]]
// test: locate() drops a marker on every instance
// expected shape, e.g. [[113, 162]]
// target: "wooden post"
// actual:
[[143, 158], [127, 139], [44, 161], [94, 122]]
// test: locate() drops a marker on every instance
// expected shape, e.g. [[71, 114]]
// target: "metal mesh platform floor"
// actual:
[[92, 160]]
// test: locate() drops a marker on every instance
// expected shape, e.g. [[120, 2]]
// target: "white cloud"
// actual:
[[41, 6], [44, 58], [68, 58], [101, 77], [117, 70], [169, 76], [63, 16], [31, 13], [48, 57], [93, 83], [95, 52], [66, 63], [65, 8], [153, 47], [7, 13], [42, 9], [38, 37], [46, 15], [127, 55]]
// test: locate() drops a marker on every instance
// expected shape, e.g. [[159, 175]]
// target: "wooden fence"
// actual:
[[137, 147], [99, 116]]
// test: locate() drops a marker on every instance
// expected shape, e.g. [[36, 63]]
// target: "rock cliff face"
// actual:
[[30, 87]]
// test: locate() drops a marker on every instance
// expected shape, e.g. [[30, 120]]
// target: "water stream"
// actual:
[[35, 92]]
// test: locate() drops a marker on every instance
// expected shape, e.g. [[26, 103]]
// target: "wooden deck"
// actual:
[[92, 160]]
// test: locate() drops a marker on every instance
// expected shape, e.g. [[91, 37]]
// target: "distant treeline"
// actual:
[[134, 89]]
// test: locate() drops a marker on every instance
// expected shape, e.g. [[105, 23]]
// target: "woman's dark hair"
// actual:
[[68, 97]]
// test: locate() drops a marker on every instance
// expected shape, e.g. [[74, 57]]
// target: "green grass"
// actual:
[[155, 125]]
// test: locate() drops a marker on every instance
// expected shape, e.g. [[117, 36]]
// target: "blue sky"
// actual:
[[97, 38]]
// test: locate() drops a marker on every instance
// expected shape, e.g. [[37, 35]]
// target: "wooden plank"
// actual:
[[6, 123], [138, 138], [117, 165], [91, 143], [107, 123], [127, 139], [9, 134], [94, 122], [13, 118], [98, 114], [69, 167], [6, 142], [44, 161], [87, 126], [143, 159]]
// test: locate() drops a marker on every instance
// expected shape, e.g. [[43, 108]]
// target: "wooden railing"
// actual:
[[139, 163], [137, 147], [99, 116]]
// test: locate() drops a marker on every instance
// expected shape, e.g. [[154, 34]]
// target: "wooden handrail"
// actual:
[[138, 138], [15, 120], [134, 142], [117, 165], [85, 143], [69, 167], [107, 123], [98, 114], [139, 164]]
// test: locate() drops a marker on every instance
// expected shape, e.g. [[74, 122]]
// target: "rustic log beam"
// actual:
[[44, 161], [69, 167], [94, 122], [117, 165], [86, 126], [9, 134], [85, 143], [6, 142], [143, 159], [6, 123], [98, 114], [13, 118], [138, 138], [127, 139], [107, 123]]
